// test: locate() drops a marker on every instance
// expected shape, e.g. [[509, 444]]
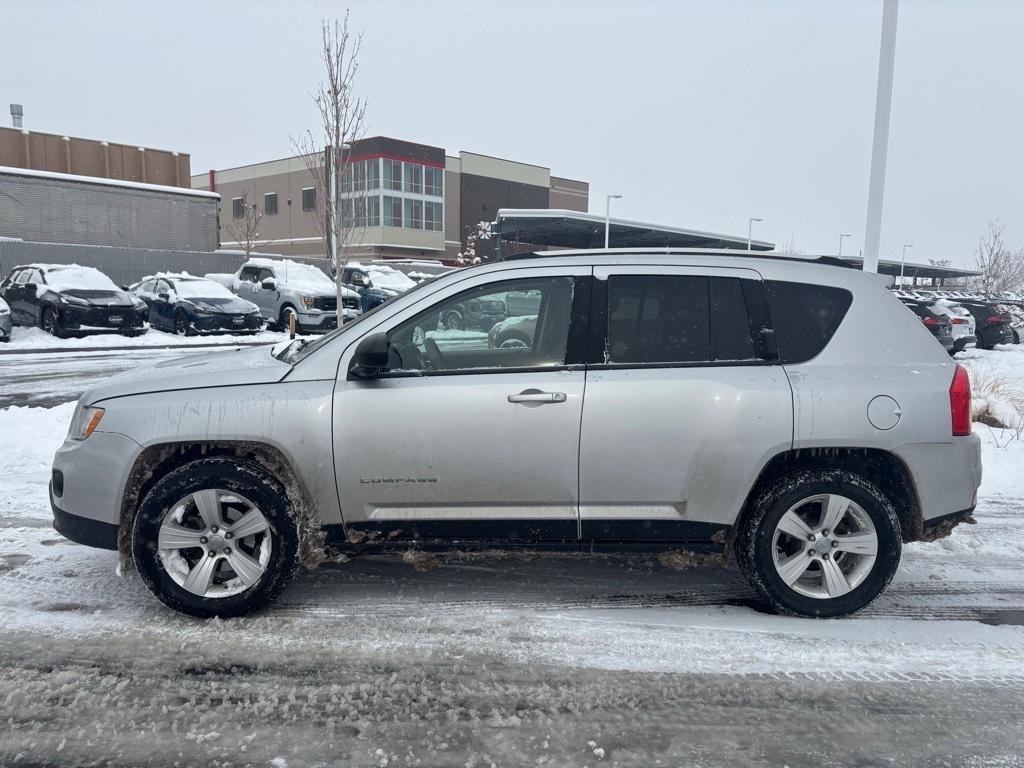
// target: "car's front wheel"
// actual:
[[182, 327], [215, 537], [820, 543], [50, 321]]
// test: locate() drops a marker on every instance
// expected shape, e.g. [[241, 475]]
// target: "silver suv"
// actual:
[[671, 400]]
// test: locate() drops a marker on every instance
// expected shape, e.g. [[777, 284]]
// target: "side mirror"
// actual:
[[269, 284], [164, 297], [370, 358]]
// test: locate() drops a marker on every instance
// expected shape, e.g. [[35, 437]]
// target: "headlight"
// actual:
[[253, 309], [308, 301], [138, 303], [5, 310], [73, 300], [84, 422]]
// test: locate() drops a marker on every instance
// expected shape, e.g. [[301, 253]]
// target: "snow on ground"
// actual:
[[540, 661], [29, 339]]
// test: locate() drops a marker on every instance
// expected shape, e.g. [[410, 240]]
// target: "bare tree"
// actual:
[[1000, 268], [245, 230], [327, 151]]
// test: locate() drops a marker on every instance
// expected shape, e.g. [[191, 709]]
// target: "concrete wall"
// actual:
[[89, 157], [59, 210]]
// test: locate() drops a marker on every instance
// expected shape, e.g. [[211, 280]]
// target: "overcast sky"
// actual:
[[701, 114]]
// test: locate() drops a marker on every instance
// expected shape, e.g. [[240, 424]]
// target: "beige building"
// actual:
[[406, 200], [92, 157]]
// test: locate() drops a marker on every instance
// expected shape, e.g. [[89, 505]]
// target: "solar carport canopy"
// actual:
[[573, 229]]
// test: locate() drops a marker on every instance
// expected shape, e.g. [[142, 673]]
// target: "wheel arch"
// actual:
[[882, 468], [155, 461]]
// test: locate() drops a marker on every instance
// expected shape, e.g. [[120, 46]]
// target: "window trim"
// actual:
[[598, 332]]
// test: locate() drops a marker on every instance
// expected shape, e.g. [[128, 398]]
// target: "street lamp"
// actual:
[[608, 215], [845, 234], [750, 230], [903, 262]]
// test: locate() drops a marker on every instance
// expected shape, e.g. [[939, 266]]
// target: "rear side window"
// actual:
[[805, 317], [676, 319]]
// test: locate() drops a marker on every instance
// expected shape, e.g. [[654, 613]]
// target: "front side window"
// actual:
[[309, 199], [248, 274], [521, 323]]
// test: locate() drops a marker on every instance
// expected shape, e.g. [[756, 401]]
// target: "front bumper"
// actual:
[[115, 318], [324, 321], [83, 530], [5, 327], [227, 323]]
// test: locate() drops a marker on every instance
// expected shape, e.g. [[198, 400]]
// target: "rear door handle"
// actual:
[[536, 396]]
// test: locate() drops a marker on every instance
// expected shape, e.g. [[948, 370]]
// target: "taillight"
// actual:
[[958, 321], [929, 321], [994, 319], [960, 402]]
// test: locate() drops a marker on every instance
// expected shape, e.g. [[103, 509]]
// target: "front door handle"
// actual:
[[536, 396]]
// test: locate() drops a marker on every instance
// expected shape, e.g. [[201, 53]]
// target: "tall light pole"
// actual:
[[880, 143], [903, 262], [750, 230], [845, 234], [608, 215]]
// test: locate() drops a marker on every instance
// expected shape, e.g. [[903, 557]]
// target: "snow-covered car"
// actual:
[[719, 402], [5, 321], [283, 288], [66, 299], [186, 305], [513, 332], [962, 323]]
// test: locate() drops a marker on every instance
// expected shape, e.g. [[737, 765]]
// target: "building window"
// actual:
[[270, 203], [413, 178], [392, 211], [359, 176], [413, 214], [372, 174], [393, 174], [433, 217], [346, 179], [432, 181], [237, 208], [308, 199], [372, 205]]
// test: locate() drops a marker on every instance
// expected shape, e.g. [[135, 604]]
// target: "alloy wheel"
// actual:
[[215, 543], [824, 546]]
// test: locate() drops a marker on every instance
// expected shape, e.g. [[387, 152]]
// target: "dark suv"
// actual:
[[993, 323], [65, 299], [935, 321]]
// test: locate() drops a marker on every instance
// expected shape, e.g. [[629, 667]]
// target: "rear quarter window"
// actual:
[[805, 317]]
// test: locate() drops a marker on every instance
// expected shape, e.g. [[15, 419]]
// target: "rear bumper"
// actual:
[[946, 475]]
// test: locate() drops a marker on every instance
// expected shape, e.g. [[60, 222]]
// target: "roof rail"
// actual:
[[833, 261]]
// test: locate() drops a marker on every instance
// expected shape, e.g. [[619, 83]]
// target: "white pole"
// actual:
[[880, 144], [608, 215], [750, 231], [903, 263], [845, 234]]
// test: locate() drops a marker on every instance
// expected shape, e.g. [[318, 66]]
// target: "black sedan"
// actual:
[[67, 300], [189, 306]]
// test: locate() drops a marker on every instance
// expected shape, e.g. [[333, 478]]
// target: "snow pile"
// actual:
[[72, 277], [383, 276], [31, 339], [997, 385], [30, 437]]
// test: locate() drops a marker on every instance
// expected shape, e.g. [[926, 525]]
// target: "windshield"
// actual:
[[301, 349], [201, 289], [79, 278], [299, 276]]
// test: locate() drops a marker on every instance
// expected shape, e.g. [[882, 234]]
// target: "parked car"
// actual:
[[5, 321], [962, 321], [187, 305], [375, 283], [475, 314], [66, 299], [734, 404], [993, 323], [282, 288], [1015, 310], [935, 319]]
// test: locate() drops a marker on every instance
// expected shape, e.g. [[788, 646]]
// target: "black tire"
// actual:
[[181, 325], [49, 321], [282, 318], [754, 541], [239, 476], [453, 320], [519, 339]]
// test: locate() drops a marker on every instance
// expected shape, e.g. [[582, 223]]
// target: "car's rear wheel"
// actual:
[[50, 322], [215, 537], [820, 543]]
